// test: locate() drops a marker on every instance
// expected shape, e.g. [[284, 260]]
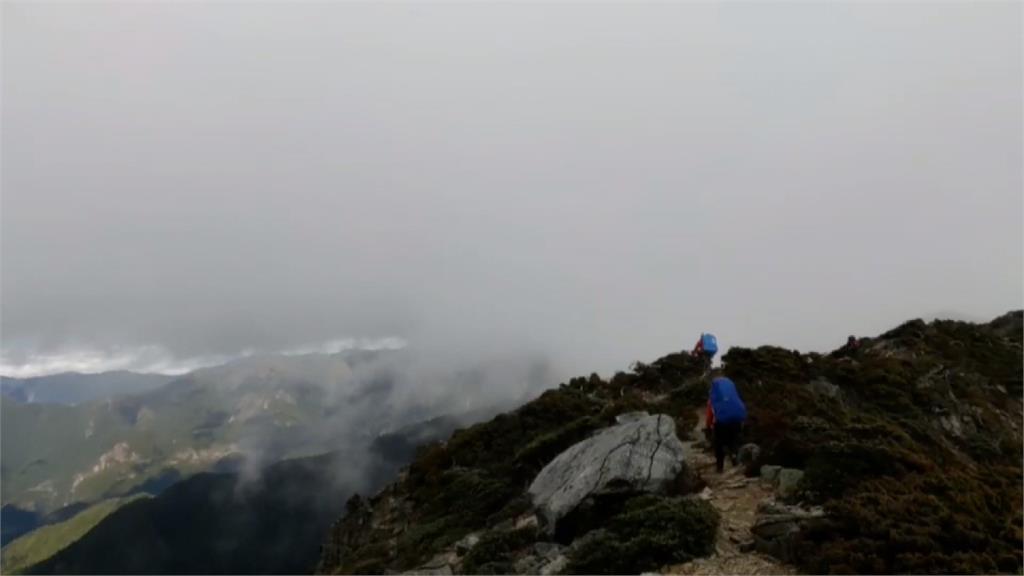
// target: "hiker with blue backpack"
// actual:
[[725, 416], [706, 348]]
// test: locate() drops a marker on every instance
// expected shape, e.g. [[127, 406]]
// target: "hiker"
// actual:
[[706, 348], [725, 415], [852, 344], [848, 349]]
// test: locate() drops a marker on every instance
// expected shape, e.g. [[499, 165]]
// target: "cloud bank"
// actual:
[[155, 359], [593, 184]]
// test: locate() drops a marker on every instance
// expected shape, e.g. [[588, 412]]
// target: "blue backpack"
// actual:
[[710, 344], [726, 402]]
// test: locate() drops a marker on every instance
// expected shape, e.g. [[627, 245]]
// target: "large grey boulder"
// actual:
[[641, 452]]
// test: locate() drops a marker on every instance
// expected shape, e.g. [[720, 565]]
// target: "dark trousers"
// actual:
[[727, 439]]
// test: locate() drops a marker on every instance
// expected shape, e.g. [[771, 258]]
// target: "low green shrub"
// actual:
[[650, 532]]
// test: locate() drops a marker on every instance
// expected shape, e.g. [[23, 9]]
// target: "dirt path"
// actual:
[[736, 498]]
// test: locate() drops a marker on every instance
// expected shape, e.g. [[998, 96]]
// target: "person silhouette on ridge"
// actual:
[[706, 348]]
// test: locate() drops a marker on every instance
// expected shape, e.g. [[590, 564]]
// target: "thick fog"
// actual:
[[188, 182]]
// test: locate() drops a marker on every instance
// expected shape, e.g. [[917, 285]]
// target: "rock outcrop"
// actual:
[[749, 454], [786, 481], [789, 481], [641, 453], [777, 526]]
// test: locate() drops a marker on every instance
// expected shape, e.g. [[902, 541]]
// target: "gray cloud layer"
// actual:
[[597, 183]]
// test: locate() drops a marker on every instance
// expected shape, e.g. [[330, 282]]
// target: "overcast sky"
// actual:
[[593, 183]]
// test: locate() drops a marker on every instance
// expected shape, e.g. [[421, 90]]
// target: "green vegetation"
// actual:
[[478, 479], [650, 532], [493, 553], [916, 454], [273, 521], [46, 541], [911, 443], [56, 455]]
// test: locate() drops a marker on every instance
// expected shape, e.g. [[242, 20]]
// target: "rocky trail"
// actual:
[[736, 498]]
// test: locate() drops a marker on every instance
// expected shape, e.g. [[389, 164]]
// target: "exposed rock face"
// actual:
[[641, 453], [120, 454]]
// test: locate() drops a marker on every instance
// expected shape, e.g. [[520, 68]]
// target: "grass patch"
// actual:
[[45, 541]]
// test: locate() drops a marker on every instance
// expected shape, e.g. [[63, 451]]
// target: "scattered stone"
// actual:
[[705, 494], [749, 453], [556, 566], [467, 543], [777, 525], [770, 473], [769, 510], [439, 565], [642, 453], [548, 550], [952, 425], [526, 520], [528, 564], [788, 479]]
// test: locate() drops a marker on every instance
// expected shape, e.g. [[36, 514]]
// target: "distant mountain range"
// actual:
[[231, 421], [272, 522], [71, 388]]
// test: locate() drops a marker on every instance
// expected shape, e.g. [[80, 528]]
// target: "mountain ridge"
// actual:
[[72, 388], [271, 406], [910, 444], [240, 522]]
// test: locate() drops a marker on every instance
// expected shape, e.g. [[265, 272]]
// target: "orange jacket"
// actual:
[[709, 417]]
